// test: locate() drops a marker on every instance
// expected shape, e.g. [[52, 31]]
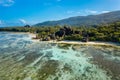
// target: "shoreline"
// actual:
[[85, 43], [33, 35]]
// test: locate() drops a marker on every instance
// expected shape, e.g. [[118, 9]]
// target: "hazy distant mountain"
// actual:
[[85, 20]]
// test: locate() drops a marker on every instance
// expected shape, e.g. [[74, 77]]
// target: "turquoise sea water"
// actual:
[[23, 59]]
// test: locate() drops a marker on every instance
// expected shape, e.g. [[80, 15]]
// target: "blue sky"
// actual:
[[21, 12]]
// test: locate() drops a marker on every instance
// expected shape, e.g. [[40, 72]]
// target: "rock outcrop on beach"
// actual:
[[66, 30]]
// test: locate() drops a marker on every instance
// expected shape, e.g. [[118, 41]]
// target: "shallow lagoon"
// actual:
[[23, 59]]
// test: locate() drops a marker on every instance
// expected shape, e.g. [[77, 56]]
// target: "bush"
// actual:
[[76, 37]]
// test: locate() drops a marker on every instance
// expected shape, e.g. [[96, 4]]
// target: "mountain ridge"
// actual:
[[85, 20]]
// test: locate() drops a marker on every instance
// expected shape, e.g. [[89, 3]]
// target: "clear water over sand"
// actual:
[[23, 59]]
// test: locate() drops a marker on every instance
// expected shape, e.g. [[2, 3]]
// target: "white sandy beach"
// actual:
[[86, 43], [75, 42], [31, 35]]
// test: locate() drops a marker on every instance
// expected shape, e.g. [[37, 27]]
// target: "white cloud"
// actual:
[[78, 12], [70, 12], [105, 11], [95, 12], [91, 11], [85, 12], [6, 3], [22, 21], [0, 22], [73, 12]]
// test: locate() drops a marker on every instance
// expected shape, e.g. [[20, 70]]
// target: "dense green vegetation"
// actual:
[[109, 32]]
